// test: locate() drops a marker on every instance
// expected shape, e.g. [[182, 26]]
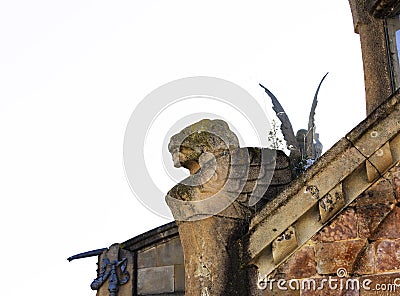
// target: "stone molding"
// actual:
[[151, 237], [383, 8], [349, 168]]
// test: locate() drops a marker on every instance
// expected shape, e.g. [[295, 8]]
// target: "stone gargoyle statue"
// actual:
[[224, 178], [226, 185]]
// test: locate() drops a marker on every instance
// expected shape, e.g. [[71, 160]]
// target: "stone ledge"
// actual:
[[156, 280], [343, 167], [355, 136], [151, 237], [383, 8], [272, 223], [298, 184]]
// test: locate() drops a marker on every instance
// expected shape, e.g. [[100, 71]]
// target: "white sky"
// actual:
[[71, 74]]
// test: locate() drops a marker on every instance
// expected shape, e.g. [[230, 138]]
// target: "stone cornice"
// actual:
[[350, 167], [383, 8], [151, 237]]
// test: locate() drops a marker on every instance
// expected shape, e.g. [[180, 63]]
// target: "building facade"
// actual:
[[333, 230]]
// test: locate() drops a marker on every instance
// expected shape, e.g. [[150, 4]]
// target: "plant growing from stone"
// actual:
[[274, 140]]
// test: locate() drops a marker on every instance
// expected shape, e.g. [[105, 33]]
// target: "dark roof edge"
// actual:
[[151, 237], [383, 8]]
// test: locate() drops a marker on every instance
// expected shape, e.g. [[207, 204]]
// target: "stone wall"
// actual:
[[160, 269], [355, 254], [154, 263], [360, 246]]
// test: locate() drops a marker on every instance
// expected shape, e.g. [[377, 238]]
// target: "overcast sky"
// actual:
[[72, 73]]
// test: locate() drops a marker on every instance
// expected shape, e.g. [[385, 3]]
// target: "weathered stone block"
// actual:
[[281, 176], [380, 285], [282, 160], [266, 231], [147, 258], [212, 258], [331, 203], [308, 224], [327, 286], [387, 255], [380, 192], [336, 165], [179, 278], [366, 262], [332, 256], [265, 265], [343, 227], [300, 265], [370, 217], [380, 160], [271, 192], [252, 173], [356, 183], [389, 228], [337, 170], [249, 186], [284, 245], [170, 253], [155, 280]]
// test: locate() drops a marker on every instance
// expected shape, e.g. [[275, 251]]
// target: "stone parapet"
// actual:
[[355, 248], [332, 184], [154, 264]]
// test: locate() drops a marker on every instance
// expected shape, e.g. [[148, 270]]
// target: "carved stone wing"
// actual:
[[311, 122], [286, 126]]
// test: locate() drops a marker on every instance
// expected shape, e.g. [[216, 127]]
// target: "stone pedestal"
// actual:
[[213, 207], [212, 260]]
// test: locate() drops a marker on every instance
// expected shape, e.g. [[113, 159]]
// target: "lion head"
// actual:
[[198, 139]]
